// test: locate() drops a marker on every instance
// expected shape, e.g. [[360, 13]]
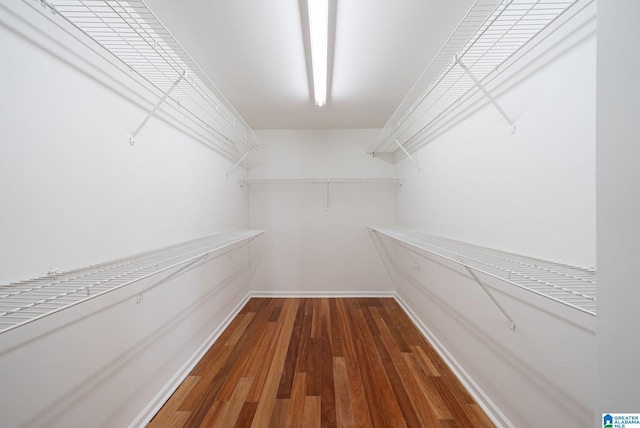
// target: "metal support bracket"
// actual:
[[328, 194], [237, 163], [491, 296], [487, 94], [134, 134], [406, 152], [408, 253]]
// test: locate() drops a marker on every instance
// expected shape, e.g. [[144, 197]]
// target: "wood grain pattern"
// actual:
[[313, 363]]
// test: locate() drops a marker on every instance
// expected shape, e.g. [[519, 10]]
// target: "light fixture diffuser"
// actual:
[[319, 40]]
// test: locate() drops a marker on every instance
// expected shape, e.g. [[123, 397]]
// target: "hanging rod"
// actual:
[[371, 180], [134, 36], [326, 181], [486, 38], [27, 301], [569, 285]]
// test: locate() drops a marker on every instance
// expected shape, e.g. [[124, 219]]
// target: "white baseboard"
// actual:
[[483, 400], [317, 294], [165, 393]]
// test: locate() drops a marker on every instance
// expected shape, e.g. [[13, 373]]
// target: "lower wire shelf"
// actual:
[[28, 301], [569, 285]]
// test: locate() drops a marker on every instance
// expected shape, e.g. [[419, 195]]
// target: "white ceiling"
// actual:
[[254, 51]]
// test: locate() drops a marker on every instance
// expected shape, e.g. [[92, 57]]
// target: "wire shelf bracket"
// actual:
[[406, 152], [155, 108], [490, 294], [237, 163], [487, 94]]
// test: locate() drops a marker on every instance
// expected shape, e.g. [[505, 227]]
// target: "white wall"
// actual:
[[618, 110], [531, 193], [73, 193], [309, 248]]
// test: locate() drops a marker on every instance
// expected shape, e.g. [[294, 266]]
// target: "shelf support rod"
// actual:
[[411, 257], [487, 94], [491, 296], [406, 153], [328, 180], [238, 163], [134, 134]]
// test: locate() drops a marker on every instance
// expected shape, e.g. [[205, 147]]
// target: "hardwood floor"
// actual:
[[321, 363]]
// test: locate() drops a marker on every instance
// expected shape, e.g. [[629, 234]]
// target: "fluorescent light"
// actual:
[[319, 37]]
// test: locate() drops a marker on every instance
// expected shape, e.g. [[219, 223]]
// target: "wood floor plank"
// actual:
[[448, 397], [177, 420], [313, 366], [196, 395], [371, 391], [241, 367], [303, 346], [344, 411], [168, 412], [477, 416], [409, 415], [216, 410], [356, 389], [409, 389], [433, 397], [207, 397], [279, 413], [321, 363], [234, 406], [262, 417], [337, 329], [289, 368], [295, 415], [240, 329], [312, 412], [327, 387], [246, 414], [381, 382], [424, 361], [261, 368]]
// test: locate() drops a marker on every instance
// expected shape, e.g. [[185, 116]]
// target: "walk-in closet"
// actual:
[[319, 213]]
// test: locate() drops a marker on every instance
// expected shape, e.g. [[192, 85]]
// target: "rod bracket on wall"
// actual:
[[487, 94], [134, 134]]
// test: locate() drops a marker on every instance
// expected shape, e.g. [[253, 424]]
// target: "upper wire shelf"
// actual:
[[133, 34], [484, 40], [569, 285], [28, 301]]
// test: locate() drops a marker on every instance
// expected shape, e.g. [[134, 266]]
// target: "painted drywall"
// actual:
[[618, 175], [531, 193], [310, 248], [74, 193]]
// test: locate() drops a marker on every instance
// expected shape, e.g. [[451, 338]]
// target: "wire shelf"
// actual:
[[135, 36], [372, 180], [28, 301], [569, 285], [487, 37]]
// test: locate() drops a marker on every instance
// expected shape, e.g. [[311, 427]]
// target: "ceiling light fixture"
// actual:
[[319, 39]]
